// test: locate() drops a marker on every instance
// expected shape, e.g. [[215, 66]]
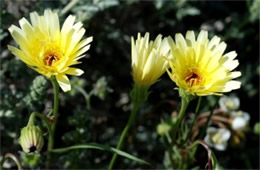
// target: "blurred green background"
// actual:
[[108, 75]]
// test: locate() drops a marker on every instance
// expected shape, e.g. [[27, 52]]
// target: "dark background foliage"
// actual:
[[112, 23]]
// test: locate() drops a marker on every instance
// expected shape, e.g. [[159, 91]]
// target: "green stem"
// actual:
[[184, 105], [168, 147], [208, 121], [139, 95], [86, 96], [193, 120], [68, 7], [55, 113], [124, 133], [41, 116], [11, 156], [204, 129]]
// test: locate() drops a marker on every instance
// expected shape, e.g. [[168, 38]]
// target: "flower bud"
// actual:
[[31, 139], [163, 128]]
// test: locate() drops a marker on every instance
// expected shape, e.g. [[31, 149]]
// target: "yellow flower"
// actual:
[[49, 50], [148, 63], [200, 66]]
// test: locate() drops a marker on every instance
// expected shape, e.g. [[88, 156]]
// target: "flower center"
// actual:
[[217, 138], [50, 59], [230, 104], [32, 149], [192, 79]]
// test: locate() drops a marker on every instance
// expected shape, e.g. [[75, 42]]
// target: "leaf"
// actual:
[[100, 147]]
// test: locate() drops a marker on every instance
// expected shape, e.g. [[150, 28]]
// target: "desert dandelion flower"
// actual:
[[49, 50], [200, 67], [148, 62]]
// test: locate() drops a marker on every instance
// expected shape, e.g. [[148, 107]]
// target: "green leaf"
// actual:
[[215, 164], [100, 147]]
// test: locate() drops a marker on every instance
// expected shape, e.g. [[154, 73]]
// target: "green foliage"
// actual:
[[37, 92], [2, 34], [257, 128], [100, 88], [30, 160], [254, 10]]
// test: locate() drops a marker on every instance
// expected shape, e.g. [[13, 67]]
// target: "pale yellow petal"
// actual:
[[231, 55], [148, 66], [134, 52], [203, 36], [232, 85], [231, 64], [180, 42], [18, 53], [63, 82], [214, 43], [74, 71], [157, 41], [34, 18], [234, 74], [68, 24], [82, 44], [26, 27], [190, 38]]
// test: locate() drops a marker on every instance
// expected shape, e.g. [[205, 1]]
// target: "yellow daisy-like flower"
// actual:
[[49, 50], [200, 67], [148, 63]]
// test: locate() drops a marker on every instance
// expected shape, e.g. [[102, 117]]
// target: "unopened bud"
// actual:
[[31, 139], [163, 128]]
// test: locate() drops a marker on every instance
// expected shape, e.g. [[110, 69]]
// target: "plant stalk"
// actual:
[[184, 105], [42, 117], [53, 126], [204, 129], [124, 133], [193, 120]]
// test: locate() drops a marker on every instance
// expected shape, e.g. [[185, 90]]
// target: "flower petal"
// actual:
[[74, 71], [63, 82]]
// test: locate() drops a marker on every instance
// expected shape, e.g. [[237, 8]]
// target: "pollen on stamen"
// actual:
[[192, 79], [50, 59]]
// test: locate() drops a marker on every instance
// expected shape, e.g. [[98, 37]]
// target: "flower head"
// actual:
[[200, 67], [240, 120], [49, 50], [228, 104], [31, 139], [148, 61], [217, 138]]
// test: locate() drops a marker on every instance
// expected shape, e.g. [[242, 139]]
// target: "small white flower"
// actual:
[[217, 138], [229, 103], [240, 120]]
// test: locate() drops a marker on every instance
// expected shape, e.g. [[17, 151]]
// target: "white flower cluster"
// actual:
[[230, 105], [218, 137]]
